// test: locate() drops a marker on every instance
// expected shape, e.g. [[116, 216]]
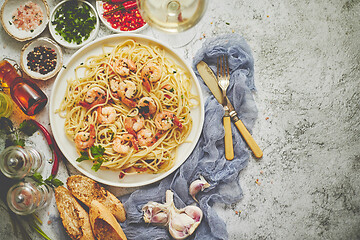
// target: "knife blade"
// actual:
[[210, 80]]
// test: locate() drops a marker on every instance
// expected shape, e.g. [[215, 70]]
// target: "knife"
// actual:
[[210, 80]]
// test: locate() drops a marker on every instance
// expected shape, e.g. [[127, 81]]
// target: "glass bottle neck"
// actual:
[[7, 72]]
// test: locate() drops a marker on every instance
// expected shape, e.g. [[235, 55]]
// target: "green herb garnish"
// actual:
[[74, 22], [50, 181], [28, 127], [97, 153]]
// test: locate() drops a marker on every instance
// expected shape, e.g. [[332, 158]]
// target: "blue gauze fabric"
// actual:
[[207, 159]]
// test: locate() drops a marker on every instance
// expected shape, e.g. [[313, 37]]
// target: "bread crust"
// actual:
[[74, 218], [104, 224], [87, 190]]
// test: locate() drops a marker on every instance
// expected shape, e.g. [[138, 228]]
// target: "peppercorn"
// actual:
[[42, 60]]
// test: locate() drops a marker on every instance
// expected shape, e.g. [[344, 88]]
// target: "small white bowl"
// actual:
[[100, 11], [47, 42], [60, 39], [7, 10]]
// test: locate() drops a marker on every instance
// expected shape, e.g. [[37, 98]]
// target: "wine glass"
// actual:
[[174, 17]]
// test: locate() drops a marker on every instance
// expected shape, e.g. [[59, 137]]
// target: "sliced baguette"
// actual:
[[75, 219], [87, 190], [104, 224]]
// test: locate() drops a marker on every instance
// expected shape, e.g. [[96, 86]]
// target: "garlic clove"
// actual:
[[197, 186], [181, 221], [155, 213], [194, 212], [196, 215], [160, 218]]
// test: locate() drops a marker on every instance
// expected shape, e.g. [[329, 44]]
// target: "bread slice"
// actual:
[[74, 218], [104, 224], [87, 190]]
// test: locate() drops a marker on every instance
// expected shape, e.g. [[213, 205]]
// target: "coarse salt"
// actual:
[[28, 17]]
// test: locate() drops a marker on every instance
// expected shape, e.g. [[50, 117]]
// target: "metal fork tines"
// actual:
[[223, 77]]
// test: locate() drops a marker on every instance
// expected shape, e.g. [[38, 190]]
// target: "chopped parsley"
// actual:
[[97, 153], [74, 22]]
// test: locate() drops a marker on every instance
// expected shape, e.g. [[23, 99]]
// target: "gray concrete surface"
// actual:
[[307, 54]]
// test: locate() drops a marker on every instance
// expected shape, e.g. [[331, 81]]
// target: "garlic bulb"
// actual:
[[181, 222], [197, 186]]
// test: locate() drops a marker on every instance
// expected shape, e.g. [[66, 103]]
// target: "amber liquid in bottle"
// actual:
[[26, 94]]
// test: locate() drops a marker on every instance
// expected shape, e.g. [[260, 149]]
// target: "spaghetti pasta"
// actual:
[[132, 102]]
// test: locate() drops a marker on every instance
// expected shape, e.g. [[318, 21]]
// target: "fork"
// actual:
[[223, 77]]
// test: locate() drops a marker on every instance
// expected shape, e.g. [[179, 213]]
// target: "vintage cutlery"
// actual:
[[210, 80], [223, 77]]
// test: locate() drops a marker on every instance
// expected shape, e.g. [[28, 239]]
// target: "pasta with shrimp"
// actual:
[[134, 103]]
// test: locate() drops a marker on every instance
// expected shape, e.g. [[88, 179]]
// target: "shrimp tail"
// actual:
[[130, 130], [155, 138], [177, 122], [92, 131], [85, 104], [135, 143], [98, 113], [146, 84], [128, 102]]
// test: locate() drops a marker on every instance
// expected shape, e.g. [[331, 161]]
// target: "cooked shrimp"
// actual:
[[124, 66], [152, 72], [149, 74], [114, 87], [127, 90], [165, 120], [94, 96], [147, 106], [145, 137], [134, 124], [84, 140], [123, 143], [106, 115]]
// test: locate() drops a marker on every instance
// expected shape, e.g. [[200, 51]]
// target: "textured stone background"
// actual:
[[307, 185]]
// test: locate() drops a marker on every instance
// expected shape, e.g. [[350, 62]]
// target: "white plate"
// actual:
[[7, 11], [67, 146], [60, 39], [47, 42], [100, 11]]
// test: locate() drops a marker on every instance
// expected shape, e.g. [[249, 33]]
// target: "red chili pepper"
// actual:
[[125, 5], [52, 145]]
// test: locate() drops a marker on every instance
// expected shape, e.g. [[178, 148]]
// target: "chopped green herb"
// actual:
[[84, 156], [227, 23], [10, 23], [96, 166], [74, 22], [97, 151]]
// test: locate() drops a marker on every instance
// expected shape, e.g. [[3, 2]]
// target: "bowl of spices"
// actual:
[[120, 15], [74, 23], [41, 59], [24, 19]]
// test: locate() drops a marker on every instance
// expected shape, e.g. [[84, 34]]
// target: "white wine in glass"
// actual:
[[173, 16]]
